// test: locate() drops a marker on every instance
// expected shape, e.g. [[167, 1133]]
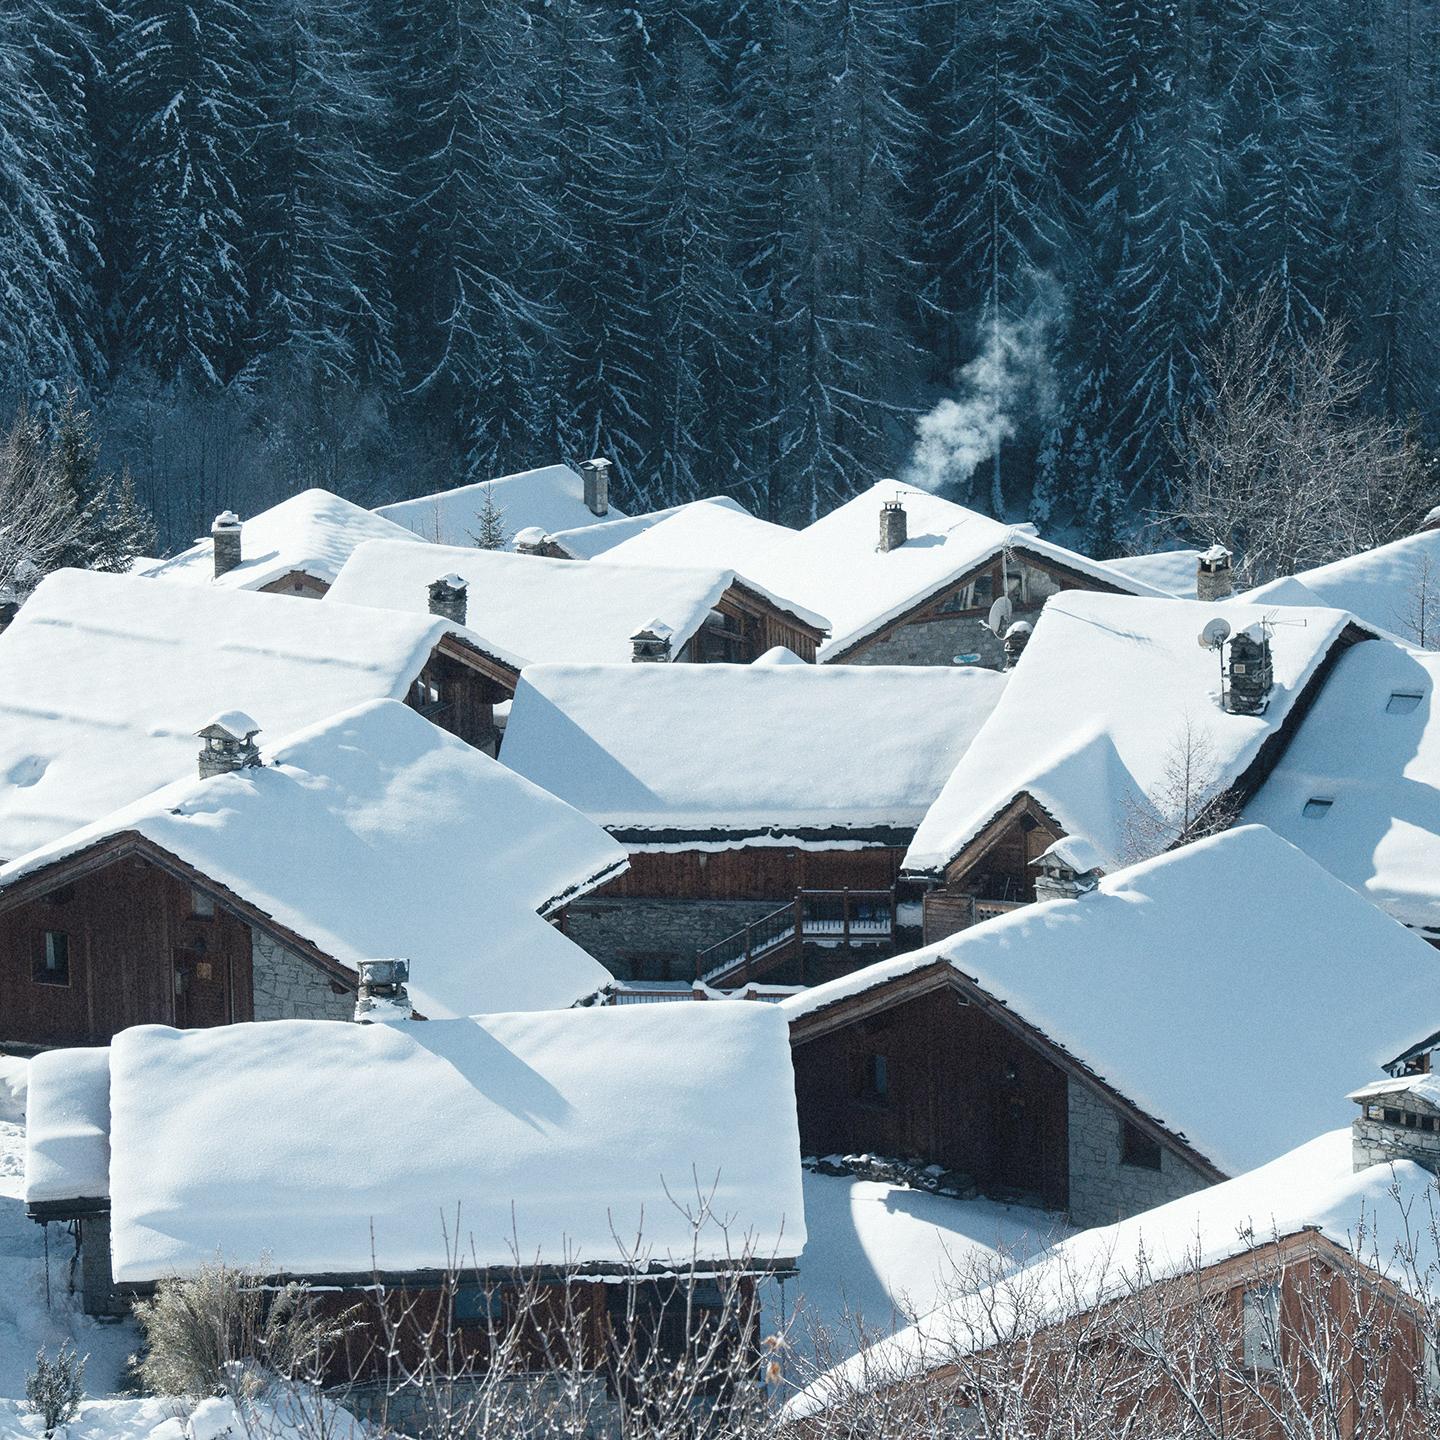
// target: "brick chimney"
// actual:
[[228, 743], [893, 529], [384, 993], [1251, 672], [1067, 870], [1213, 579], [450, 598], [651, 642], [1399, 1119], [225, 535], [596, 475]]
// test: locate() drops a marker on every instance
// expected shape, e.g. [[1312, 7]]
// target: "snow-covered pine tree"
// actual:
[[489, 532]]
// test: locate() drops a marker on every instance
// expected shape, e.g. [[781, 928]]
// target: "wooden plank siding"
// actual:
[[960, 1090], [754, 872], [138, 954]]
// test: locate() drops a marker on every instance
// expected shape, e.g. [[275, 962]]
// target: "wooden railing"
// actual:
[[814, 917]]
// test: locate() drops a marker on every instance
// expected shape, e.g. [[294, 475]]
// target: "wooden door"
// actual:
[[202, 990]]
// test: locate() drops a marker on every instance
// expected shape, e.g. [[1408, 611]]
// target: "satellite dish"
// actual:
[[1000, 613], [1215, 633]]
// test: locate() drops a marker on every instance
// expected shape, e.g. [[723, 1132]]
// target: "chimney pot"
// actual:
[[893, 525], [449, 598], [228, 744], [1017, 637], [1213, 576], [225, 537], [596, 475], [384, 993]]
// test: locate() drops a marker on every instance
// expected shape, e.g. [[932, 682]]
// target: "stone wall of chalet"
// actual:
[[1103, 1188], [289, 988], [643, 939], [935, 642]]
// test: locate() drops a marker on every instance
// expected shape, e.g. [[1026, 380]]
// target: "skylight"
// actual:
[[1316, 808], [1402, 702]]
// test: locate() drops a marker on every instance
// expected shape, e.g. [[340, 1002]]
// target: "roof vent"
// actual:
[[449, 598], [225, 536], [1399, 1119], [384, 993], [651, 642], [596, 475], [893, 525], [1214, 579], [228, 744]]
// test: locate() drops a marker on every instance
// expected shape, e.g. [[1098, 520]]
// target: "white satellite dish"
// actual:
[[1000, 613], [1215, 633]]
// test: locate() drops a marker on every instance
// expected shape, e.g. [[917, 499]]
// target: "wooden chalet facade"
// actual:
[[124, 934], [458, 689], [927, 1066], [745, 624]]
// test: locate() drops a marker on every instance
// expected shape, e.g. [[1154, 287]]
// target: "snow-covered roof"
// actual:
[[1208, 986], [1423, 1087], [590, 541], [707, 532], [1172, 571], [544, 1138], [372, 834], [67, 1127], [312, 533], [551, 497], [1384, 586], [834, 566], [529, 609], [770, 754], [1370, 1213], [1357, 787], [105, 679], [1110, 691]]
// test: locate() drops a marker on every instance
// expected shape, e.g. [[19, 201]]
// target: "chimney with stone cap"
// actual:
[[1213, 577], [1069, 869], [652, 642], [1399, 1119], [384, 993], [596, 475], [225, 537], [449, 598], [893, 525], [228, 744]]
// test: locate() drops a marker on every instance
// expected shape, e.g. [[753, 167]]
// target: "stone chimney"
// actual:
[[228, 743], [449, 598], [651, 642], [384, 993], [596, 475], [532, 540], [892, 525], [1067, 870], [1251, 672], [1017, 637], [225, 534], [1213, 579], [1399, 1119]]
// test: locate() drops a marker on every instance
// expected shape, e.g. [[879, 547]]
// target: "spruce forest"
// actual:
[[769, 248]]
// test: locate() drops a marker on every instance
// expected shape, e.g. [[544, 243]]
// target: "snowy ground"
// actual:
[[25, 1324], [880, 1254]]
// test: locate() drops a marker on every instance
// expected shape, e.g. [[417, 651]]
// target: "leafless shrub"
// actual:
[[1283, 464], [39, 520], [1188, 802]]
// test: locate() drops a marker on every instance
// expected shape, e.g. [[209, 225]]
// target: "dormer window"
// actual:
[[1317, 807], [1402, 702]]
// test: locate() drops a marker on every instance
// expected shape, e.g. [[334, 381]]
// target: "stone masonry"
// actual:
[[98, 1295], [1378, 1142], [633, 938], [289, 988], [1102, 1188]]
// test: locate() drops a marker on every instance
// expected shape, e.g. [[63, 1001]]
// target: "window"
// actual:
[[1260, 1319], [1430, 1373], [476, 1304], [1402, 702], [202, 906], [877, 1077], [1137, 1148], [52, 964], [1316, 808]]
